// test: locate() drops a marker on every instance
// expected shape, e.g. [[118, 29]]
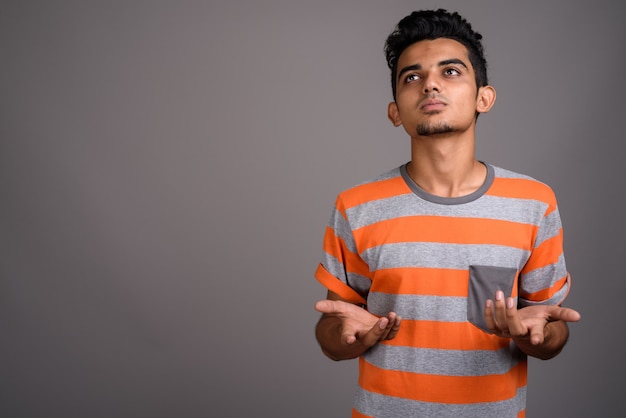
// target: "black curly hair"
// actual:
[[433, 24]]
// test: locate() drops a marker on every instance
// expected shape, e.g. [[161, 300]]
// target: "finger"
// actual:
[[395, 328], [500, 313], [391, 320], [330, 306], [324, 306], [348, 335], [489, 318], [376, 333], [516, 328], [565, 314], [536, 334]]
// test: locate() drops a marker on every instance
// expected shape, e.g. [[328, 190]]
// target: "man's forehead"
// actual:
[[439, 49]]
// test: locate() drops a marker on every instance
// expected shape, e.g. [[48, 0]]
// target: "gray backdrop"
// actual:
[[167, 170]]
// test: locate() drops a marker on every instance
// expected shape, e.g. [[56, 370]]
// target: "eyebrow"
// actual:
[[439, 64]]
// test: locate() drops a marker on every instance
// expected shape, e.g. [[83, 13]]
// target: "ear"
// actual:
[[393, 114], [486, 98]]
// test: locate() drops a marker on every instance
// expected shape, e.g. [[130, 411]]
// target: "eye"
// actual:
[[452, 71], [411, 77]]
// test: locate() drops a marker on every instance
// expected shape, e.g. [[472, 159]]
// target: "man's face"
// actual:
[[436, 89]]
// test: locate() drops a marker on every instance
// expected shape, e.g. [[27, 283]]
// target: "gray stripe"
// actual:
[[358, 282], [343, 230], [535, 280], [419, 307], [374, 211], [444, 362], [522, 211], [556, 299], [447, 256], [380, 406], [504, 173], [550, 227], [334, 267]]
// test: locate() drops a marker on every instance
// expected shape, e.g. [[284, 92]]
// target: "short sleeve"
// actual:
[[544, 280], [342, 270]]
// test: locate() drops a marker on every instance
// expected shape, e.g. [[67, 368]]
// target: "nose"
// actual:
[[431, 84]]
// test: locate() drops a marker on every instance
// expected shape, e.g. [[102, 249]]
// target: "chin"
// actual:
[[434, 128]]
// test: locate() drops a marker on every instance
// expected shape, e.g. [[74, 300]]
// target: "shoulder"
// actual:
[[513, 184], [385, 185]]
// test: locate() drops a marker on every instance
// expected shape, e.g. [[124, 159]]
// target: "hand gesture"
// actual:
[[357, 326], [526, 324]]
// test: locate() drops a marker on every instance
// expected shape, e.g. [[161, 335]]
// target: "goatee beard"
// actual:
[[428, 129]]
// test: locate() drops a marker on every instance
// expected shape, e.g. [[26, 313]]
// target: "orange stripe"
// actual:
[[523, 189], [373, 191], [333, 245], [444, 389], [357, 414], [547, 253], [446, 336], [424, 281], [446, 229], [335, 285]]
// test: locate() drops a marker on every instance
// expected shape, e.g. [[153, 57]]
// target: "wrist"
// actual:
[[555, 335]]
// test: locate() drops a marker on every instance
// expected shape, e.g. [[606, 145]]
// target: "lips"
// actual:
[[432, 105]]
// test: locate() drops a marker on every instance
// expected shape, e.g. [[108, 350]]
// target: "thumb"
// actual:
[[536, 335], [348, 335], [374, 335]]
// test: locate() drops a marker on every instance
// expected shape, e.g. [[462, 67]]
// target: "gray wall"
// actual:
[[167, 170]]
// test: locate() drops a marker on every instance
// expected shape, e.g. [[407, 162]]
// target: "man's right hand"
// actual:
[[346, 330]]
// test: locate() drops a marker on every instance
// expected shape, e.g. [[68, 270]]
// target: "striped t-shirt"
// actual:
[[434, 261]]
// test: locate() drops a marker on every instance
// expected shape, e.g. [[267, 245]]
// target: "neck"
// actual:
[[445, 165]]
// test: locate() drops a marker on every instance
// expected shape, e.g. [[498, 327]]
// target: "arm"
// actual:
[[346, 331], [540, 331]]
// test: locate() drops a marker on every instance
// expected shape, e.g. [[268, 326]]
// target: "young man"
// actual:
[[469, 255]]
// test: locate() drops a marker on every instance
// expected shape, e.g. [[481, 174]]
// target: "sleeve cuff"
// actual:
[[335, 285]]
